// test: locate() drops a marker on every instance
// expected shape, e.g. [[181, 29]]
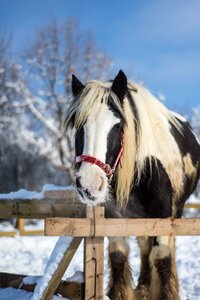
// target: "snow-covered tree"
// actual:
[[52, 56], [34, 96], [10, 98]]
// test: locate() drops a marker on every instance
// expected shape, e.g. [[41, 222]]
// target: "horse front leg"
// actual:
[[164, 279], [145, 245], [121, 281]]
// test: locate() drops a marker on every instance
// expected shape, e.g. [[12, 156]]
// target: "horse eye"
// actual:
[[118, 126]]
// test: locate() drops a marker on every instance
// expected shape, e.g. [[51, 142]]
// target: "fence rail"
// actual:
[[49, 207], [95, 227], [192, 205], [55, 203], [121, 227]]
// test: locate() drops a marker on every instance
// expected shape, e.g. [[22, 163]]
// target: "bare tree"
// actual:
[[55, 53], [10, 96]]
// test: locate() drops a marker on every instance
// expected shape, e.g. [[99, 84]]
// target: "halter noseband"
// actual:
[[105, 167]]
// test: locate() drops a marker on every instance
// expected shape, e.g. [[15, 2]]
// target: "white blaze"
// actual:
[[96, 131]]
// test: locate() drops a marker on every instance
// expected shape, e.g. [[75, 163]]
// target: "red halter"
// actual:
[[105, 167]]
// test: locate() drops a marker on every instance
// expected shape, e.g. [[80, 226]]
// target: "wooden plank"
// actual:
[[89, 262], [7, 233], [71, 290], [148, 227], [68, 227], [41, 209], [57, 276], [192, 205], [94, 259], [10, 201], [20, 226], [122, 227], [99, 256], [6, 209], [32, 232], [67, 193], [55, 204]]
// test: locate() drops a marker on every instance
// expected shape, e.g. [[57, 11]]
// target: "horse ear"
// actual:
[[77, 86], [119, 86]]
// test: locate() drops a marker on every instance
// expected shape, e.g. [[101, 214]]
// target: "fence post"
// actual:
[[60, 270], [94, 258]]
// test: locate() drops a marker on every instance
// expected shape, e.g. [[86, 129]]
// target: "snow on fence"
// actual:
[[65, 216]]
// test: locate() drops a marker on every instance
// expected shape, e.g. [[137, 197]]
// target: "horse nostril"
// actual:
[[78, 182], [88, 194], [101, 185]]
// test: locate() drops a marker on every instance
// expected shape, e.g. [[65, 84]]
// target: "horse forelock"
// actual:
[[146, 132], [93, 95]]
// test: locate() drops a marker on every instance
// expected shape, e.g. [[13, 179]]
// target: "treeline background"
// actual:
[[35, 92]]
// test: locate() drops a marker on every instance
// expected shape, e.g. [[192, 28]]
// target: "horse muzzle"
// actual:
[[91, 187]]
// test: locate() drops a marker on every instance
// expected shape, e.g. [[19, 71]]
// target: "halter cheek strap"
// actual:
[[105, 167]]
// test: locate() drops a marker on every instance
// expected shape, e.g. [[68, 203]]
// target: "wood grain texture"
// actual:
[[121, 227], [71, 290], [41, 209], [59, 272], [192, 205], [56, 203], [94, 259]]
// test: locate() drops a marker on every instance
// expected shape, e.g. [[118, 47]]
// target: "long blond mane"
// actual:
[[145, 136]]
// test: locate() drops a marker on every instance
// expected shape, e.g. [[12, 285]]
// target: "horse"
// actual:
[[138, 159]]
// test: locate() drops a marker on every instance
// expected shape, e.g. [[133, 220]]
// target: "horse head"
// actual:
[[98, 118]]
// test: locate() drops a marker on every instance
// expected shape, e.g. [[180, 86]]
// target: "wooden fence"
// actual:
[[55, 203], [73, 219]]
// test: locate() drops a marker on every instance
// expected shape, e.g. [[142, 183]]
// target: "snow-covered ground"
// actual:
[[30, 255], [24, 194]]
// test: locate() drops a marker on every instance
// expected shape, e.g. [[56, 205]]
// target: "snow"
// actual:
[[24, 194], [61, 246], [35, 225], [10, 294], [193, 199], [29, 255], [33, 256], [77, 277], [6, 226], [31, 280], [53, 187]]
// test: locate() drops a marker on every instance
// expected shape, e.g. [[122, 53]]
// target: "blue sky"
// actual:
[[153, 41]]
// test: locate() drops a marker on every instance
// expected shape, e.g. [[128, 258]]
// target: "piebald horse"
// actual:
[[138, 159]]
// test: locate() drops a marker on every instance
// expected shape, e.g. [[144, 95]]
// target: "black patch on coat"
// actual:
[[187, 143], [164, 267], [135, 114], [114, 136], [114, 143], [153, 193], [79, 144]]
